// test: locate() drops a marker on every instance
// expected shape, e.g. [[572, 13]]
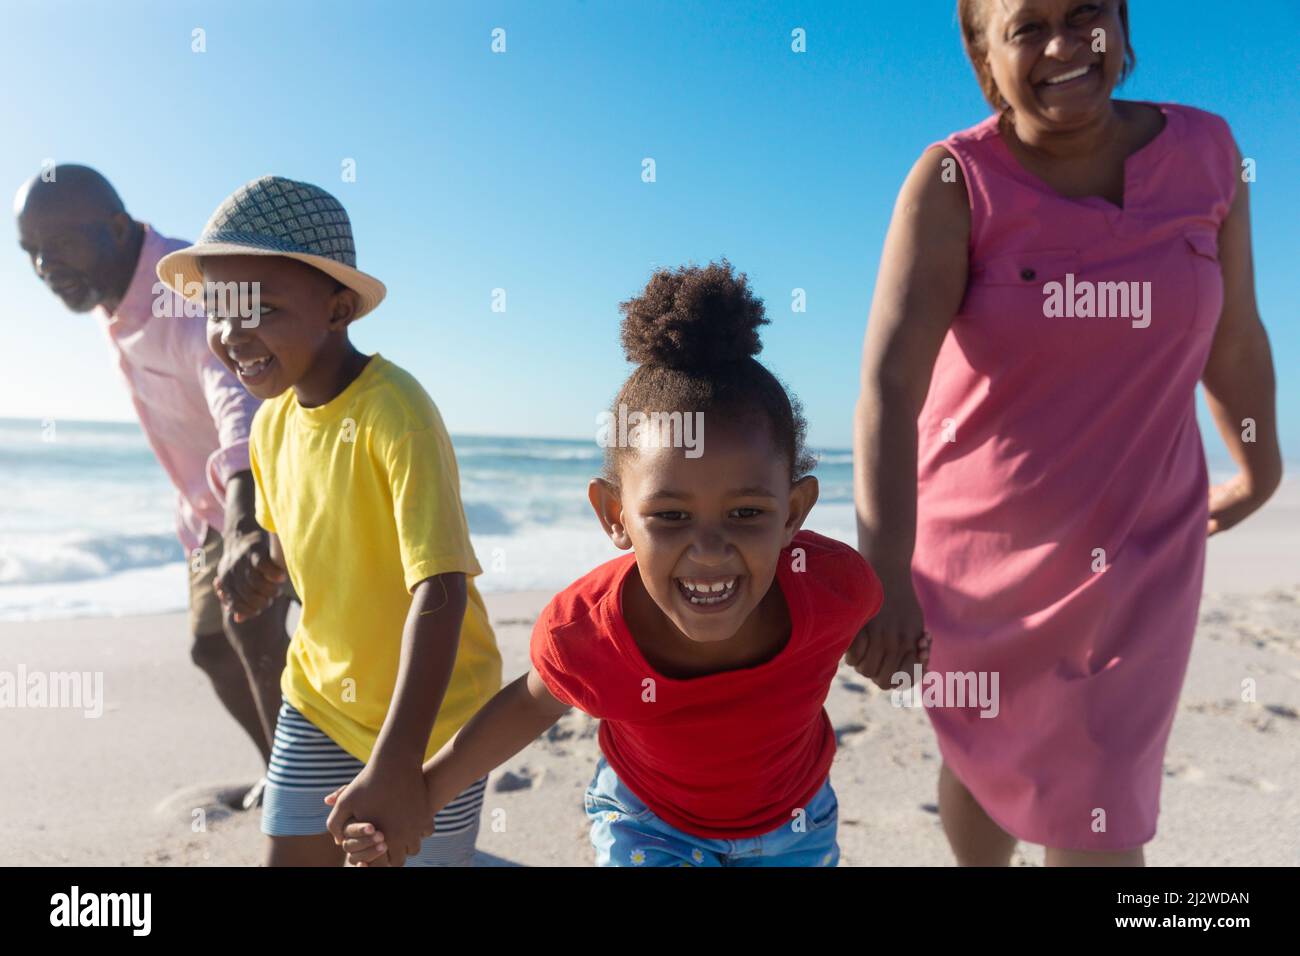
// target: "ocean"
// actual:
[[87, 529]]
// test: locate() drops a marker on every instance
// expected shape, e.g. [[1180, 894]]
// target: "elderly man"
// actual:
[[95, 257]]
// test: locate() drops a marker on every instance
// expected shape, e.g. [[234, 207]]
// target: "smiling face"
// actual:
[[1041, 56], [302, 313], [707, 531], [76, 252]]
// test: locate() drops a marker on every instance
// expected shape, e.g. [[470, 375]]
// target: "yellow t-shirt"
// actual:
[[365, 496]]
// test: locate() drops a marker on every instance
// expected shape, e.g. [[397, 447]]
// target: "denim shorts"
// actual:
[[306, 766], [625, 832]]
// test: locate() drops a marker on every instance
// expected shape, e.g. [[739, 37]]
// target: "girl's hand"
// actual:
[[389, 795], [1234, 500], [895, 639], [364, 845]]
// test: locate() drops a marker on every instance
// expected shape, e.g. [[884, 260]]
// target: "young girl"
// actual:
[[708, 652]]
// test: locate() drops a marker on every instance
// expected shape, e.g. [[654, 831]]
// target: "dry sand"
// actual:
[[128, 787]]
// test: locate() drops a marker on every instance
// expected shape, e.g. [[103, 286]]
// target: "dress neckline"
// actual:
[[1142, 156]]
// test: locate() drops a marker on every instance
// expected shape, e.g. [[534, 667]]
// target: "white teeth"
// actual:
[[708, 592], [251, 368], [705, 586], [1072, 75]]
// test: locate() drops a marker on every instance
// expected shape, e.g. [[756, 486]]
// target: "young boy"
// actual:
[[358, 486]]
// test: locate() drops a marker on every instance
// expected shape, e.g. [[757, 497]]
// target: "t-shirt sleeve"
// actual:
[[869, 590], [549, 661], [432, 533], [261, 507]]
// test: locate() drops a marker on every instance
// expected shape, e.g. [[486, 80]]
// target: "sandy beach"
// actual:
[[136, 785]]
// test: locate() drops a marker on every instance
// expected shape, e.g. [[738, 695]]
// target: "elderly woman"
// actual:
[[1055, 281]]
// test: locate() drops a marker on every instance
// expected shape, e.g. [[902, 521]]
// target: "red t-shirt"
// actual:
[[726, 755]]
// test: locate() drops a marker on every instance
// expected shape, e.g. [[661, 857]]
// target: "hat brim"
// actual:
[[180, 269]]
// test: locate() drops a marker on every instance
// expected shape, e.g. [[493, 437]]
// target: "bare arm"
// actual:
[[919, 289], [390, 791], [430, 640], [1238, 379], [518, 714], [249, 575]]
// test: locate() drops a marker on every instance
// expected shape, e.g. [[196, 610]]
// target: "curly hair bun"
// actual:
[[693, 318]]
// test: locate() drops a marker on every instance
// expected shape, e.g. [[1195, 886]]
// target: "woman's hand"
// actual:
[[895, 640], [1234, 500]]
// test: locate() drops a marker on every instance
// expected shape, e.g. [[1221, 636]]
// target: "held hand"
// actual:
[[364, 845], [1233, 501], [894, 640], [248, 578], [393, 801]]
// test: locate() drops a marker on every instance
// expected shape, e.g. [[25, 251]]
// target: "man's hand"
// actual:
[[391, 798], [248, 578]]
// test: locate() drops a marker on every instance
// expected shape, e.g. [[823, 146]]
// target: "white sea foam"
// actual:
[[86, 526]]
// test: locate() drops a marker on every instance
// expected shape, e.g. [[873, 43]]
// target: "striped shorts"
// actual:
[[306, 766]]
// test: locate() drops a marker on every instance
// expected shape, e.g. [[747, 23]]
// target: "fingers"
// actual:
[[881, 650], [249, 591], [339, 817], [907, 667], [370, 858], [267, 568], [362, 842], [853, 656]]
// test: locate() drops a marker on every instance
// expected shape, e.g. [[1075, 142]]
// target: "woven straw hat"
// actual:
[[274, 216]]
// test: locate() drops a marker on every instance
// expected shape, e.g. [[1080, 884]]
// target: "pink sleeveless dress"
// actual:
[[1062, 486]]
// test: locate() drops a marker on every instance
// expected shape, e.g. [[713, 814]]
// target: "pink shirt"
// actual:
[[194, 412]]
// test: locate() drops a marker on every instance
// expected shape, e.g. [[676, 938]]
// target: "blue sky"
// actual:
[[522, 171]]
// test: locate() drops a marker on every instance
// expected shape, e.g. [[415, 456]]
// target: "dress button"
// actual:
[[1028, 274]]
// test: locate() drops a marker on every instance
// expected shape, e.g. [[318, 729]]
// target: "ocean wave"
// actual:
[[34, 561], [484, 518], [470, 453]]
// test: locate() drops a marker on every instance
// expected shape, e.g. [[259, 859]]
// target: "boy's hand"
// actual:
[[248, 578], [894, 640], [393, 800]]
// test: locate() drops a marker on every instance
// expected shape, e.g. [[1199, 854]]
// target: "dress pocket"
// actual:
[[1029, 270], [1005, 308]]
